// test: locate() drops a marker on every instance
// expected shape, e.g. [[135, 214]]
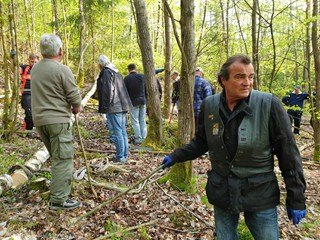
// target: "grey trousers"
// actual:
[[58, 140]]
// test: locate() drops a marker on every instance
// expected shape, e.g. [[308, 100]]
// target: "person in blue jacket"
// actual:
[[242, 129], [294, 100]]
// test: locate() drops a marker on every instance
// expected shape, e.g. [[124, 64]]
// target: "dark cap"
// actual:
[[297, 87]]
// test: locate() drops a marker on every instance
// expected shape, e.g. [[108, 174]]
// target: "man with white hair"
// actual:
[[114, 100], [54, 97]]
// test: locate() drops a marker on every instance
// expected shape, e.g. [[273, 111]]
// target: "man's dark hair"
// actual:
[[132, 66], [224, 71]]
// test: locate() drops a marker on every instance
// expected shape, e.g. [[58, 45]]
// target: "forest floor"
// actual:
[[153, 211]]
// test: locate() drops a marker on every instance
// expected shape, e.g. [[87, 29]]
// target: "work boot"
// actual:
[[67, 205]]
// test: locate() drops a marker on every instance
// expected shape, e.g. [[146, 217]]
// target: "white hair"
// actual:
[[50, 45], [103, 60]]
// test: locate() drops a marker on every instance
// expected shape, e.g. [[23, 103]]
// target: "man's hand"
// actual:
[[167, 162], [76, 110], [296, 215]]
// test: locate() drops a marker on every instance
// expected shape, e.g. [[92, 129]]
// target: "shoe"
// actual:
[[67, 205], [121, 160]]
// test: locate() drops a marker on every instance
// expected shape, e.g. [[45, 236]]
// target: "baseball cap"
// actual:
[[297, 87], [199, 69]]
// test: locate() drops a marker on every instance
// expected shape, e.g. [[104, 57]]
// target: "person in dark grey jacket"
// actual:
[[136, 87], [115, 101], [242, 129]]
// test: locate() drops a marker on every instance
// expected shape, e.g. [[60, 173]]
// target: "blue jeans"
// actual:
[[178, 104], [263, 225], [110, 129], [138, 121], [120, 138]]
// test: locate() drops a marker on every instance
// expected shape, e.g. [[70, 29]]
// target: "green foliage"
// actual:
[[244, 233], [170, 135], [181, 219], [115, 232], [143, 233], [14, 157]]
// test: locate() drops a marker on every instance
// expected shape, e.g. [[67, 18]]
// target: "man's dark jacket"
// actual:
[[136, 87], [112, 93]]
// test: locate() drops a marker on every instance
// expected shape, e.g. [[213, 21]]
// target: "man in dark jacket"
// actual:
[[115, 101], [294, 101], [242, 129], [136, 86], [175, 88]]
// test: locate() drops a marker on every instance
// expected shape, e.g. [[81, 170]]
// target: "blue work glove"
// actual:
[[167, 162], [296, 215]]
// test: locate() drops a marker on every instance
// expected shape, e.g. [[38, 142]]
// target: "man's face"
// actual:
[[33, 61], [240, 81], [174, 76]]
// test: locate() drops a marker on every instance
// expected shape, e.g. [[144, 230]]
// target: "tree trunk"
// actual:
[[168, 65], [80, 77], [181, 174], [55, 26], [65, 34], [316, 56], [255, 53], [225, 25], [25, 4], [7, 85], [13, 111], [112, 35], [153, 101]]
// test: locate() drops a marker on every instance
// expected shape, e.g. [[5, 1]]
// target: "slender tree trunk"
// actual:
[[316, 56], [154, 112], [203, 23], [168, 64], [25, 5], [55, 27], [240, 28], [274, 57], [112, 35], [94, 58], [80, 78], [255, 53], [65, 34], [34, 44], [225, 24], [7, 85], [157, 28]]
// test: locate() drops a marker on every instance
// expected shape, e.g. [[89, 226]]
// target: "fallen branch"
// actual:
[[134, 151], [117, 196], [85, 158], [186, 209], [305, 146], [314, 164], [126, 230]]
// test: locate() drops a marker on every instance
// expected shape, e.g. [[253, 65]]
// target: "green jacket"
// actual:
[[53, 92]]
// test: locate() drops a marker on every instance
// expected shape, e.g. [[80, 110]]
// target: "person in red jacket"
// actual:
[[26, 92]]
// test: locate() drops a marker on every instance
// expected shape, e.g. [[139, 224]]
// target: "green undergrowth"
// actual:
[[170, 139], [244, 233], [17, 154]]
